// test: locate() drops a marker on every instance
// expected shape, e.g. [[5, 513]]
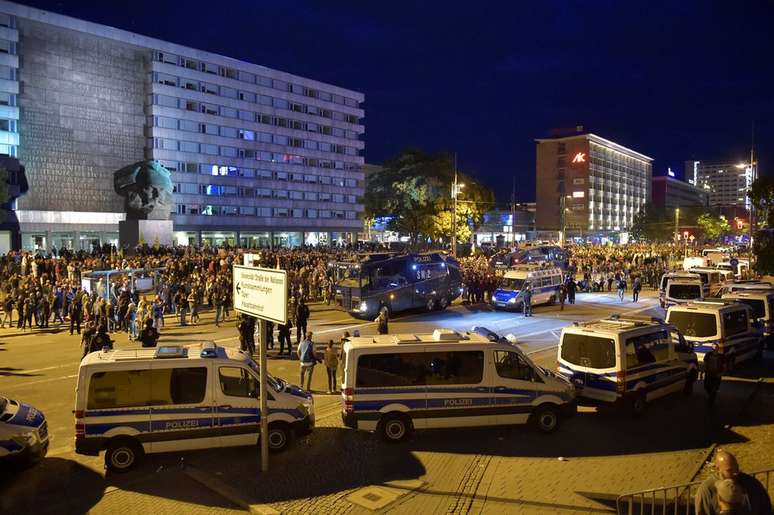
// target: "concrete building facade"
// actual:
[[672, 193], [589, 186], [726, 183], [258, 157]]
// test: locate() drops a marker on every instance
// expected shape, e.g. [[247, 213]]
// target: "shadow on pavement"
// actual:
[[54, 485], [11, 371]]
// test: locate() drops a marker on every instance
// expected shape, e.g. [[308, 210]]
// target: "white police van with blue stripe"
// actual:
[[626, 360], [396, 383], [722, 325], [23, 432], [545, 283], [176, 398]]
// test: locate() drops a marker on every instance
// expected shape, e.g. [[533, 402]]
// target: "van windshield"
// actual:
[[758, 307], [690, 323], [509, 283], [684, 291], [588, 351]]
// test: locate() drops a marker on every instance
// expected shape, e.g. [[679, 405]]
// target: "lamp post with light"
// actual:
[[456, 187]]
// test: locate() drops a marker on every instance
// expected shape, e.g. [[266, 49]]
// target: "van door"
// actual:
[[238, 405], [513, 388], [457, 394], [651, 367], [181, 409]]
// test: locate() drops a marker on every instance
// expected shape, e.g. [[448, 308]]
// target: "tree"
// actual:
[[712, 227], [414, 189], [761, 196], [653, 224], [763, 247]]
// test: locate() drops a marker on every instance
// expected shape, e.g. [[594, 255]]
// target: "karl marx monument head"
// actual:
[[147, 190]]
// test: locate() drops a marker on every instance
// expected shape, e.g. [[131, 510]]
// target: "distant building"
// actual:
[[588, 185], [672, 193], [726, 183], [501, 226]]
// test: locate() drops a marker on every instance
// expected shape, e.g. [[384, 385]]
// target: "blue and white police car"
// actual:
[[544, 282], [23, 432]]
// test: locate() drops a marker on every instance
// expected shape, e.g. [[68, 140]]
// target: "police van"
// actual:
[[626, 361], [178, 398], [711, 278], [662, 285], [545, 283], [762, 304], [746, 286], [680, 290], [394, 384], [722, 325], [23, 432]]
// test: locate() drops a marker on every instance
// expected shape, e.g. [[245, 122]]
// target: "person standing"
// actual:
[[526, 301], [284, 337], [158, 314], [562, 296], [713, 375], [331, 359], [76, 314], [571, 290], [307, 360], [302, 317], [149, 335], [7, 311], [636, 287], [621, 288], [729, 490], [382, 322]]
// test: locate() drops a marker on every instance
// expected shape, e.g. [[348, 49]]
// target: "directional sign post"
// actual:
[[262, 293]]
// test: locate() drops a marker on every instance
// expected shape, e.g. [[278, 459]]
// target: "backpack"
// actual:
[[308, 355]]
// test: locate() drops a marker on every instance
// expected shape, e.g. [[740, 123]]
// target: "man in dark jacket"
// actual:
[[302, 316], [284, 337], [149, 335]]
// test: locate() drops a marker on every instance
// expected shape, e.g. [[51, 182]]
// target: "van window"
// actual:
[[684, 291], [461, 367], [693, 324], [237, 382], [734, 322], [588, 351], [647, 348], [509, 365], [132, 388], [510, 283], [758, 307], [398, 369]]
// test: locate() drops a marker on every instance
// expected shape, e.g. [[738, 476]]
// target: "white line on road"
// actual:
[[30, 383]]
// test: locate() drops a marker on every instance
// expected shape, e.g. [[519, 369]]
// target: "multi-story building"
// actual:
[[672, 193], [589, 186], [257, 156], [726, 183]]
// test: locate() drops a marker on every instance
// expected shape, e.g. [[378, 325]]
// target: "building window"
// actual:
[[281, 212]]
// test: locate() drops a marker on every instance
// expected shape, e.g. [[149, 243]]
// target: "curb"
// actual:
[[227, 492]]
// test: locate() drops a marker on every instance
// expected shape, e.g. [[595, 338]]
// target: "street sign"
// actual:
[[261, 292], [249, 259], [734, 262]]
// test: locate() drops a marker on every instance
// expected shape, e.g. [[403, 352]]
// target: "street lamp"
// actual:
[[677, 224]]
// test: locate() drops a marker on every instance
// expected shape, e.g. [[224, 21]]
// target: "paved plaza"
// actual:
[[581, 468]]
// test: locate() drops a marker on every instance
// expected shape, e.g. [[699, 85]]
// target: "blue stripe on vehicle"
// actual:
[[11, 445]]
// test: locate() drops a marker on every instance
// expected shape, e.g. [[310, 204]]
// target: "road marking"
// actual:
[[46, 368], [30, 383]]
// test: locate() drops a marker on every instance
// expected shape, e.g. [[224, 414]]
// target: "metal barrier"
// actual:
[[675, 500]]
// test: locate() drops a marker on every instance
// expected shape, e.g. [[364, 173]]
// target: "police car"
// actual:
[[628, 361], [394, 384], [23, 432], [176, 398], [545, 283]]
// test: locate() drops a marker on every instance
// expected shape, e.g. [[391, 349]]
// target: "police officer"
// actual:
[[382, 321], [713, 375], [527, 301]]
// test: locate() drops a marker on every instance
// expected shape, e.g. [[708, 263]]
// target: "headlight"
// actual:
[[512, 300], [494, 298], [303, 409], [363, 306]]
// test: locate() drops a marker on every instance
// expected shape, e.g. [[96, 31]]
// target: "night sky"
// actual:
[[674, 80]]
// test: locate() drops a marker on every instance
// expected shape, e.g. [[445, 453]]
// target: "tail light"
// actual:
[[78, 413], [348, 398], [80, 427], [620, 381]]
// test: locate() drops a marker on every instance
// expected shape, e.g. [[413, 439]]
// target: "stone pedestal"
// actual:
[[133, 232]]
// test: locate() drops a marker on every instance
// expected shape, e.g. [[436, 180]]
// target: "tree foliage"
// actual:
[[761, 196], [653, 224], [414, 188], [712, 227], [763, 248]]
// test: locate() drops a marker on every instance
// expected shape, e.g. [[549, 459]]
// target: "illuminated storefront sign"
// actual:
[[580, 157]]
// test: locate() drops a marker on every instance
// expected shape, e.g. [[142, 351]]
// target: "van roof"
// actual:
[[708, 305], [197, 351], [437, 336], [749, 294], [519, 271], [615, 325]]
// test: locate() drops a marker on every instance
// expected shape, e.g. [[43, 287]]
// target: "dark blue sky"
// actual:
[[675, 80]]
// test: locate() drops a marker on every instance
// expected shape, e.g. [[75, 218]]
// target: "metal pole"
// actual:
[[454, 210], [752, 173], [677, 222], [264, 398]]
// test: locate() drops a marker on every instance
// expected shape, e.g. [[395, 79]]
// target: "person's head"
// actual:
[[346, 334], [309, 335], [330, 344], [730, 494], [726, 465], [149, 323]]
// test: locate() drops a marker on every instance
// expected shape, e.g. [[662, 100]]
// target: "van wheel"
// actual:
[[123, 454], [431, 304], [279, 437], [443, 303], [638, 404], [395, 427], [546, 419]]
